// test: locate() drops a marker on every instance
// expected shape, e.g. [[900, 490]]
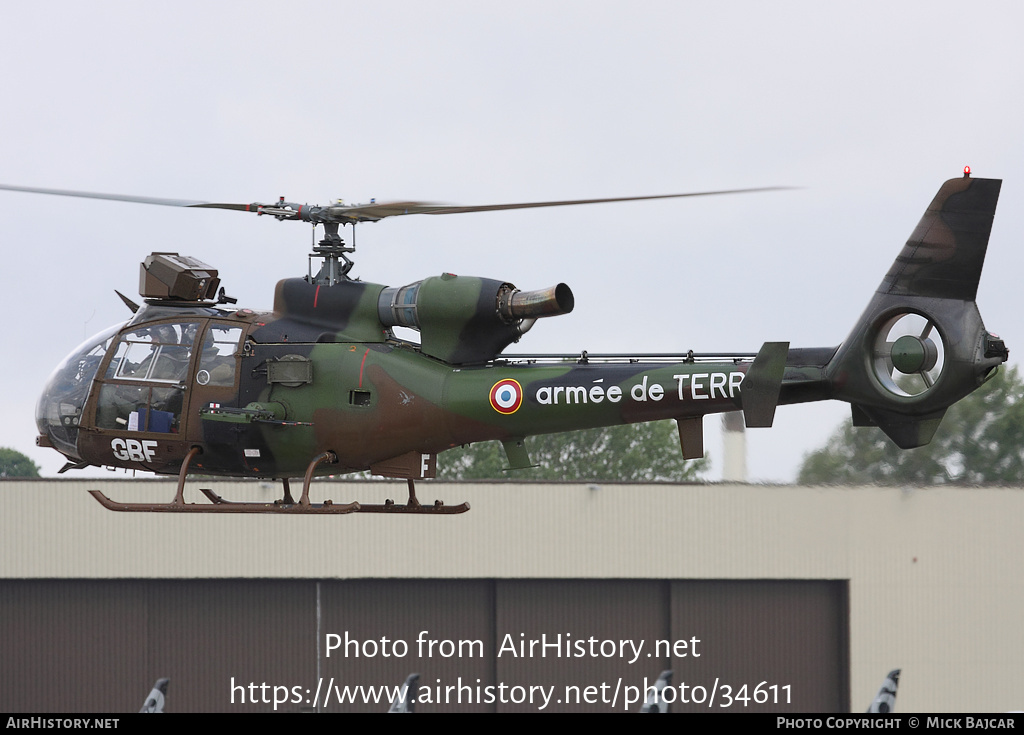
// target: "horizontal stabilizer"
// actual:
[[759, 391]]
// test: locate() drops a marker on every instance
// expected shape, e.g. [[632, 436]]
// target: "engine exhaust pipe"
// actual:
[[514, 305]]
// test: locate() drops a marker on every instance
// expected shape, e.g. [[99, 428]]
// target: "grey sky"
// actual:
[[868, 106]]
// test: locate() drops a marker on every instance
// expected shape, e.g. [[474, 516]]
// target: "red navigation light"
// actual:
[[967, 172]]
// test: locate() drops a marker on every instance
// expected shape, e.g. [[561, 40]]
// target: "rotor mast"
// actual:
[[332, 251]]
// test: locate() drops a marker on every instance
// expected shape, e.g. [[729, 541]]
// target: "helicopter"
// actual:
[[322, 384]]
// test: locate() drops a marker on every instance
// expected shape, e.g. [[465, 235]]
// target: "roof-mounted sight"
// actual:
[[177, 277]]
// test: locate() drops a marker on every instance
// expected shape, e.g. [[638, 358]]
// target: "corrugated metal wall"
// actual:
[[935, 576], [765, 631], [98, 645]]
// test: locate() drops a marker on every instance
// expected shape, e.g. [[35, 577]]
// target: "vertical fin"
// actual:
[[860, 416], [906, 432], [945, 253], [157, 697], [515, 452], [884, 702]]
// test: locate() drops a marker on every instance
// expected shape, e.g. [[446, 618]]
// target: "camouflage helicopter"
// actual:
[[322, 384]]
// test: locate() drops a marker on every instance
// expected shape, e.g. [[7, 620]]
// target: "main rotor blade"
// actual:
[[393, 209], [126, 198], [341, 213]]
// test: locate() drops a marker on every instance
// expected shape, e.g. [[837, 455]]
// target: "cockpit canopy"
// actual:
[[60, 408], [146, 369]]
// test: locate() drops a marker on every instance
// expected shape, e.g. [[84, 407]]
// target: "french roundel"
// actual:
[[506, 396]]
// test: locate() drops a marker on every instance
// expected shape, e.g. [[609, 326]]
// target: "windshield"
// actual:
[[59, 410]]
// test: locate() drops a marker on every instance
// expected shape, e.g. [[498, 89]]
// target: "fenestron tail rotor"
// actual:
[[909, 354]]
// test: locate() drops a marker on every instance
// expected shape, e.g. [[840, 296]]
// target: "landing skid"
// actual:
[[286, 506], [220, 505], [413, 506]]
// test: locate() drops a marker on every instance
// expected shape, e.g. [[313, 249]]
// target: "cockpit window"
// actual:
[[217, 363], [158, 353], [151, 354]]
